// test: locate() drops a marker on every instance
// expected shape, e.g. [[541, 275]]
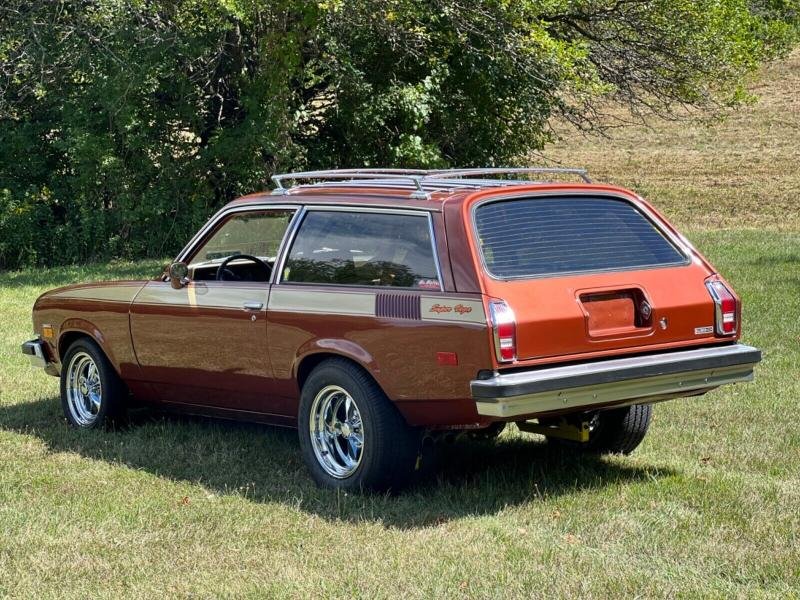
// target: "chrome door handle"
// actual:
[[253, 305]]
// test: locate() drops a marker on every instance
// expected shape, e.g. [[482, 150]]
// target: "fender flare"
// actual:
[[90, 330], [337, 347]]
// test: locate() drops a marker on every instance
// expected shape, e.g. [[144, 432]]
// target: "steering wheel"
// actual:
[[225, 274]]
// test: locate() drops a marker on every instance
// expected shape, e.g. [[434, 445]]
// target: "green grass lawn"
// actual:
[[709, 504]]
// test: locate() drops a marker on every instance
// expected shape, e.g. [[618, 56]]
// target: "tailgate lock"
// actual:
[[645, 309]]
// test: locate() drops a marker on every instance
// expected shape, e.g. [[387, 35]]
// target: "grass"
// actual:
[[708, 505]]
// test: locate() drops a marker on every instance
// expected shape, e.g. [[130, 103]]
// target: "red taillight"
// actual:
[[504, 327], [725, 307]]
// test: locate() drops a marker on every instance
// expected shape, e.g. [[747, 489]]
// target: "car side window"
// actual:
[[363, 248], [256, 234]]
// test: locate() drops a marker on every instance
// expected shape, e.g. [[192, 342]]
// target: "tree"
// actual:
[[123, 124], [479, 83]]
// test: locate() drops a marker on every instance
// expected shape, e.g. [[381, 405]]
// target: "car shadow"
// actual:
[[263, 464]]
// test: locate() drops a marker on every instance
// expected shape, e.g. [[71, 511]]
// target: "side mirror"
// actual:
[[178, 275]]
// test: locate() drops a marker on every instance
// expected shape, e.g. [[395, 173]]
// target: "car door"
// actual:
[[205, 343]]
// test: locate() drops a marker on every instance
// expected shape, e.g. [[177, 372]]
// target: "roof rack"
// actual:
[[423, 182], [413, 175], [460, 173]]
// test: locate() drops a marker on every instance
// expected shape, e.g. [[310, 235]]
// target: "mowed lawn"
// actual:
[[709, 505]]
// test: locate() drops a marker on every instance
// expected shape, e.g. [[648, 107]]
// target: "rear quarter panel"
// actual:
[[400, 352]]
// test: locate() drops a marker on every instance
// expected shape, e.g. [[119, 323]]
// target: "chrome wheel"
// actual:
[[83, 389], [337, 433]]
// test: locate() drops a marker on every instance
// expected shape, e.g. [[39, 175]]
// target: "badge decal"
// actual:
[[440, 308]]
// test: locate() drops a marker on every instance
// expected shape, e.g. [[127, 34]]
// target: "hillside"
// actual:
[[743, 172]]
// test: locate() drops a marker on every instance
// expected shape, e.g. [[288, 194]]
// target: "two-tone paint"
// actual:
[[243, 349]]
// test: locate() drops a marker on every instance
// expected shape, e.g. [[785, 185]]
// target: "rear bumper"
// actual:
[[618, 381]]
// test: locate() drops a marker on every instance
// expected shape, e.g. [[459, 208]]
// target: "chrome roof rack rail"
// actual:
[[428, 184], [421, 181], [458, 173], [413, 175]]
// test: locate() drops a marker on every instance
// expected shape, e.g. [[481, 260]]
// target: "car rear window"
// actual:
[[534, 237], [363, 248]]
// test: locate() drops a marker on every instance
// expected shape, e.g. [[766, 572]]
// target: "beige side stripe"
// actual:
[[116, 293], [201, 295], [292, 299], [433, 308]]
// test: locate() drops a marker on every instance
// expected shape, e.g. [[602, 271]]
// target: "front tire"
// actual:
[[351, 435], [92, 394]]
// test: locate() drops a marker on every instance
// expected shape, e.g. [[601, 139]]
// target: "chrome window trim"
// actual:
[[435, 249], [339, 200], [223, 213], [373, 210], [378, 289], [292, 205], [648, 214], [287, 246]]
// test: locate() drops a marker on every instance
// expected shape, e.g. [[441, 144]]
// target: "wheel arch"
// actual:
[[307, 363], [76, 329]]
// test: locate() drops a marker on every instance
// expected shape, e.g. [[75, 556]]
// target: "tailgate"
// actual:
[[590, 273]]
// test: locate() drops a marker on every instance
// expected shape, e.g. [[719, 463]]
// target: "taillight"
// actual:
[[504, 327], [725, 307]]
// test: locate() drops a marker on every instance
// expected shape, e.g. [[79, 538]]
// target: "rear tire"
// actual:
[[351, 435], [92, 394], [615, 431]]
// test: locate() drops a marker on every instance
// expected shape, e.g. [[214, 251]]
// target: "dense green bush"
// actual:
[[124, 124]]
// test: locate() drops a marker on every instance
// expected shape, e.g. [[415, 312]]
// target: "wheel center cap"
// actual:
[[346, 431]]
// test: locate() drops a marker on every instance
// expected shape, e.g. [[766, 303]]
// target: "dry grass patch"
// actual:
[[743, 172]]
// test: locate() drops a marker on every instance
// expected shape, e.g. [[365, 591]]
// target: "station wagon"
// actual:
[[377, 309]]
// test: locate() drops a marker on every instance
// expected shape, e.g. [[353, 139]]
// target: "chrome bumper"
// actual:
[[34, 350], [638, 379]]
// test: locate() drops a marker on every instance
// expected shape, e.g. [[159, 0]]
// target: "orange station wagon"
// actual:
[[375, 309]]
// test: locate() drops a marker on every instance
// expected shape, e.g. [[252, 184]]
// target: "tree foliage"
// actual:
[[123, 124]]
